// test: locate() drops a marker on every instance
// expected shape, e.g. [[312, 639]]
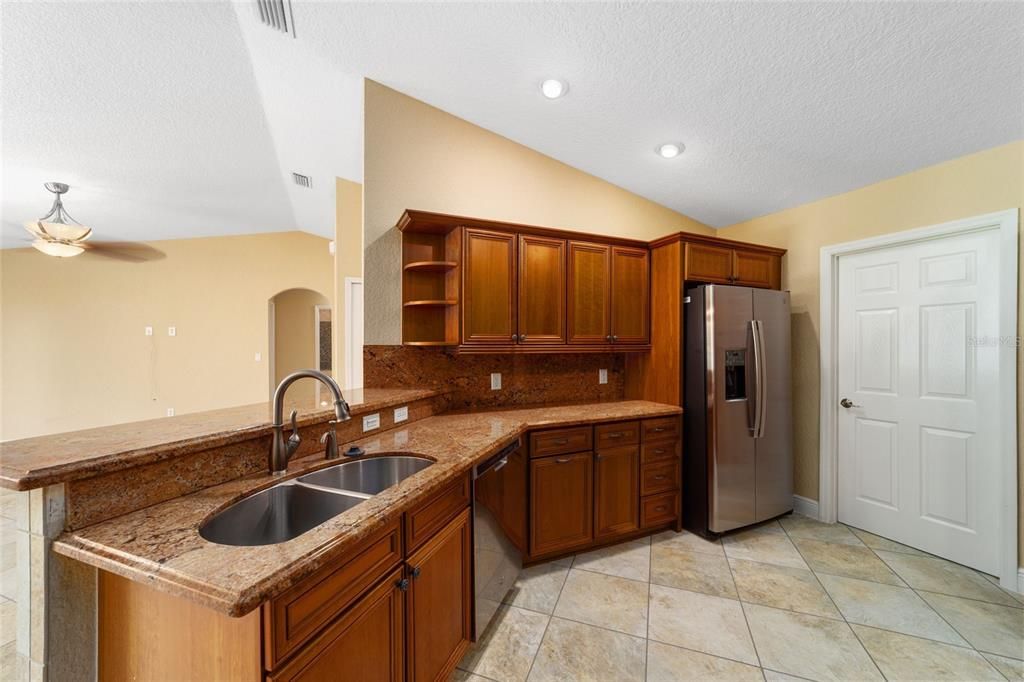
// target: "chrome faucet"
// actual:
[[281, 450]]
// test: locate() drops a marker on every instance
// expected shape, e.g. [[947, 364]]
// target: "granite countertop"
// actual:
[[161, 546], [44, 460]]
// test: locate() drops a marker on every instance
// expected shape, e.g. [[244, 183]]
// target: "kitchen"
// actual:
[[528, 352]]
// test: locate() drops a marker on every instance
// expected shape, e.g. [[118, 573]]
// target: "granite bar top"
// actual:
[[161, 547], [44, 460]]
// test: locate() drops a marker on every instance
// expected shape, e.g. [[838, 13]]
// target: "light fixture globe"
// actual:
[[670, 150], [60, 249], [57, 233], [553, 88]]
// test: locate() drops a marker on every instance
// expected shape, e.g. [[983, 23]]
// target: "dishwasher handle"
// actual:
[[497, 461]]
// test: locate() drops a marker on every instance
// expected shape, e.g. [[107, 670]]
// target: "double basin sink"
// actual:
[[289, 509]]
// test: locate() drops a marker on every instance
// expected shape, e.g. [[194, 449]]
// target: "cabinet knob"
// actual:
[[522, 337], [414, 571], [402, 584], [614, 338], [608, 338], [562, 460]]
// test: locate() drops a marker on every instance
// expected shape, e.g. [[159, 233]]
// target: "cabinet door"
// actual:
[[364, 644], [617, 491], [706, 263], [561, 502], [589, 293], [440, 597], [513, 507], [541, 290], [489, 287], [631, 297], [753, 269]]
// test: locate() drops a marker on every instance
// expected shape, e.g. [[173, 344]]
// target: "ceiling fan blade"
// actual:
[[130, 252]]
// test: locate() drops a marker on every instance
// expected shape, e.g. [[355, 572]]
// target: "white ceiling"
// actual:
[[187, 119], [165, 126], [777, 103]]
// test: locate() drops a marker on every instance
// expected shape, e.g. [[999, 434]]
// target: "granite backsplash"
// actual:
[[526, 379]]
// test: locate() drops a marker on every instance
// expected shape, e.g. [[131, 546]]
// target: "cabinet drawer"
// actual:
[[432, 515], [614, 435], [298, 614], [659, 477], [662, 428], [656, 510], [561, 441], [659, 451]]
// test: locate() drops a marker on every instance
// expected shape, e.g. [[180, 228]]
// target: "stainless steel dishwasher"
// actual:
[[496, 559]]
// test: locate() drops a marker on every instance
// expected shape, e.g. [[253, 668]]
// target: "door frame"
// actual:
[[353, 347], [1005, 222]]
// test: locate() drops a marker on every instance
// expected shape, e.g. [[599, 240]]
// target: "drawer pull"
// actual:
[[560, 441], [562, 460], [617, 434], [659, 451], [660, 478], [658, 429], [661, 507]]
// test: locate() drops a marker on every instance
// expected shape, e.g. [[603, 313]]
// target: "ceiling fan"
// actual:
[[58, 234]]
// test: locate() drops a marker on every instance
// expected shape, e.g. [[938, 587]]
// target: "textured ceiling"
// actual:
[[163, 124], [778, 104], [187, 119]]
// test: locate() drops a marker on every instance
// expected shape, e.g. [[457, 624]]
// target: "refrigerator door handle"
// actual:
[[757, 332], [762, 381]]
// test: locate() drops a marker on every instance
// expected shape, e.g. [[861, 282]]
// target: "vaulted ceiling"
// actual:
[[188, 119]]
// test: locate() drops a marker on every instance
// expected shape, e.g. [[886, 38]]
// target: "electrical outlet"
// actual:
[[401, 413], [371, 421], [172, 331], [495, 381], [602, 376], [259, 356], [149, 331], [170, 411]]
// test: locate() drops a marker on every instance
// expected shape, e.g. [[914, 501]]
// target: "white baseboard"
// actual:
[[805, 506]]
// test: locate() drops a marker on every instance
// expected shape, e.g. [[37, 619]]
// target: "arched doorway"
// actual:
[[300, 325]]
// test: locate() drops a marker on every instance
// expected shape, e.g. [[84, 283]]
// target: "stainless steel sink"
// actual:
[[368, 476], [275, 515]]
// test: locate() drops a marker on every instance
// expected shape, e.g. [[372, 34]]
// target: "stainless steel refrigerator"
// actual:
[[737, 407]]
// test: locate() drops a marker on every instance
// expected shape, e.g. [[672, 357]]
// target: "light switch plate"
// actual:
[[149, 331], [495, 381], [401, 413], [259, 356], [170, 411], [602, 376], [172, 331], [371, 421]]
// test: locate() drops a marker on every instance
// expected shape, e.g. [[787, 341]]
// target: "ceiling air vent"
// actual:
[[302, 180], [277, 14]]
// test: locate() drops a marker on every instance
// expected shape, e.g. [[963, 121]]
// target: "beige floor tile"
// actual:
[[802, 527], [463, 676], [688, 541], [564, 561], [808, 646], [702, 622], [796, 589], [627, 560], [1017, 596], [13, 666], [938, 575], [574, 651], [988, 627], [8, 626], [845, 560], [604, 600], [878, 542], [1011, 668], [776, 676], [889, 607], [538, 587], [675, 567], [667, 663], [902, 657], [765, 546], [509, 646]]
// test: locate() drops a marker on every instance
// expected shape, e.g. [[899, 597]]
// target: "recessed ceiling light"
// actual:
[[670, 150], [554, 88]]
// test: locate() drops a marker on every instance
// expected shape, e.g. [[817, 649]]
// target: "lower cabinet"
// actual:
[[616, 491], [364, 644], [561, 502], [439, 602]]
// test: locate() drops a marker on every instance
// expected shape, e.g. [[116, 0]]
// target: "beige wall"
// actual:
[[295, 331], [988, 181], [348, 260], [420, 157], [74, 353]]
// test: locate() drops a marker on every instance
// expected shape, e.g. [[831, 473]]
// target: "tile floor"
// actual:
[[790, 599]]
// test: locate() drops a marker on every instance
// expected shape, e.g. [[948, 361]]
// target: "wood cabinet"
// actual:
[[541, 292], [631, 298], [439, 602], [726, 264], [754, 269], [561, 502], [616, 491], [367, 643], [489, 287], [706, 263], [589, 292]]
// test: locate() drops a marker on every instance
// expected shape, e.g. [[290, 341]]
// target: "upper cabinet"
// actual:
[[589, 293], [489, 287], [541, 290], [727, 262], [631, 295]]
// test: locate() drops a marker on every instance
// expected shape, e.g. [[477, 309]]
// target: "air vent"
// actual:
[[302, 180], [277, 14]]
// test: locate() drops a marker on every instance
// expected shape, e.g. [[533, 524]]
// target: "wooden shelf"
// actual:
[[430, 265], [429, 343], [430, 303]]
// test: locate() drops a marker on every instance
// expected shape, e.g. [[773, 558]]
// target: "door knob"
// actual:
[[847, 403]]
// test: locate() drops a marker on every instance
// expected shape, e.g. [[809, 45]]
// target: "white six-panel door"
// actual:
[[917, 341]]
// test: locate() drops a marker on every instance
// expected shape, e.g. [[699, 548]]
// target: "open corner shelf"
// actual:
[[429, 303], [430, 266]]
